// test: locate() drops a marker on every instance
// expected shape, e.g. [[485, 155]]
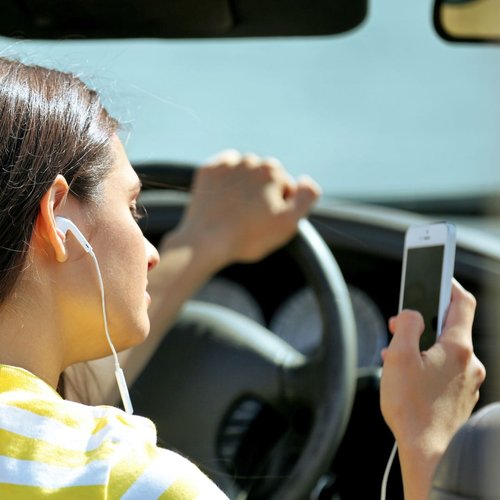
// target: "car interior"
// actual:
[[269, 381]]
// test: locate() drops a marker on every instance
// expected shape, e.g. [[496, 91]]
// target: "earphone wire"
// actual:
[[385, 479], [104, 315], [120, 377]]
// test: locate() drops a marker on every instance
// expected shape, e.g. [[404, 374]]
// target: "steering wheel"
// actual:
[[215, 358]]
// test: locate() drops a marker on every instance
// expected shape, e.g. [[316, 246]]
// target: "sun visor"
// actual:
[[55, 19]]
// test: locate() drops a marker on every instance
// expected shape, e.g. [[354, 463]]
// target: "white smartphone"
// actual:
[[426, 280]]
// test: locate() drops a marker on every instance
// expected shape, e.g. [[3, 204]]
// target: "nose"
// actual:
[[152, 254]]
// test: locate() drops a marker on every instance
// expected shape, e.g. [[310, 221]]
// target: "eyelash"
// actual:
[[138, 212]]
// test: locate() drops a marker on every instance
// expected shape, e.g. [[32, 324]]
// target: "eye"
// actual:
[[138, 211]]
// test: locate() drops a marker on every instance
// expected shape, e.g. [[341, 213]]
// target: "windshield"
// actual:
[[386, 111]]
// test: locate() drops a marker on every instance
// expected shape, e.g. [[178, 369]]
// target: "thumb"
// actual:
[[304, 196]]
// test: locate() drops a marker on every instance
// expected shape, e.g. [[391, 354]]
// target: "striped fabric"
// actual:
[[55, 449]]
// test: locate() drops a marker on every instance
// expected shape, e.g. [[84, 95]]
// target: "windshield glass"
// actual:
[[386, 111]]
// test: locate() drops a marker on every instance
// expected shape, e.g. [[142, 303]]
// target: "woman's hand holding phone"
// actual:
[[426, 396]]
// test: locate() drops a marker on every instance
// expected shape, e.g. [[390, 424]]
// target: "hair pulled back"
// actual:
[[50, 123]]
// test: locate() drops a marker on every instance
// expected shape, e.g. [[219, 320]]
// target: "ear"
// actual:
[[46, 223]]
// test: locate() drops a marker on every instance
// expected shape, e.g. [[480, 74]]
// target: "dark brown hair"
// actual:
[[50, 123]]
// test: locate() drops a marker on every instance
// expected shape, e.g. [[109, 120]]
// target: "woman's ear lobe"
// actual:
[[46, 221]]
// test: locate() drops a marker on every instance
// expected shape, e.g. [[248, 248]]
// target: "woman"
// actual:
[[60, 157]]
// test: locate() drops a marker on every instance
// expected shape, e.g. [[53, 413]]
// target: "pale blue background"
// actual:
[[386, 110]]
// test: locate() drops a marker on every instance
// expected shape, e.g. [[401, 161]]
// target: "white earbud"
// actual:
[[66, 225]]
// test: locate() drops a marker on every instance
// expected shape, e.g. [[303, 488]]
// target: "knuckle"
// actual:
[[273, 168], [480, 371], [229, 154], [268, 172], [269, 167], [463, 355], [218, 158], [228, 158], [250, 160], [272, 163]]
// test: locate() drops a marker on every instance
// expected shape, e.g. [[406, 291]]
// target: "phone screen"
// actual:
[[422, 285]]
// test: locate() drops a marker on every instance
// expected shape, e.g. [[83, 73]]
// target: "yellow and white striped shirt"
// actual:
[[55, 449]]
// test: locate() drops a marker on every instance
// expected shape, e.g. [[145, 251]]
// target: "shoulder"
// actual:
[[171, 476], [102, 446], [144, 470]]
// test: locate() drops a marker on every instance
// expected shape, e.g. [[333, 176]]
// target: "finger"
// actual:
[[279, 174], [382, 353], [281, 180], [251, 160], [306, 182], [301, 201], [408, 330], [302, 198], [273, 162], [460, 315], [392, 324], [230, 157]]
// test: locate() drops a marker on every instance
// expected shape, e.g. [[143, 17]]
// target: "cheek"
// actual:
[[130, 257], [122, 258], [126, 277]]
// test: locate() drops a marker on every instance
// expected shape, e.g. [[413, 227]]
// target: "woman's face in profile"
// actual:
[[124, 255]]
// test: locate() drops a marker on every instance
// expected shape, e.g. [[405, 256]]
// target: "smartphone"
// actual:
[[426, 279]]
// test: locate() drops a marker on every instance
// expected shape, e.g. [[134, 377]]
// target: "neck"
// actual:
[[30, 339]]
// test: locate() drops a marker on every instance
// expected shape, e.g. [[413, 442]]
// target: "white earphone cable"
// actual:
[[385, 479], [120, 377], [103, 303]]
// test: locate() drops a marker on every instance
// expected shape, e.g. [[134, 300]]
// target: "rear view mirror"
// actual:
[[55, 19], [468, 20]]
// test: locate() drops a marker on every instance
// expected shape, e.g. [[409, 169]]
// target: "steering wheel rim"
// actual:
[[327, 380], [338, 343]]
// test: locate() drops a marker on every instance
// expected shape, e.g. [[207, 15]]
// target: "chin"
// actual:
[[135, 336]]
